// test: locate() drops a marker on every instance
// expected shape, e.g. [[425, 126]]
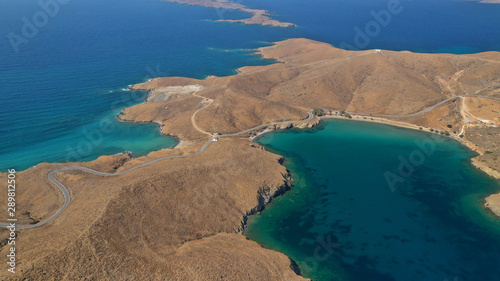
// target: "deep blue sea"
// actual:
[[64, 81], [67, 75], [342, 219]]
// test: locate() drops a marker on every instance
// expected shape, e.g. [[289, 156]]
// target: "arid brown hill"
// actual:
[[312, 74], [173, 220], [180, 219], [316, 75]]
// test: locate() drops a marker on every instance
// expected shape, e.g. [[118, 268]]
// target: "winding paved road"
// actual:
[[67, 197], [425, 110]]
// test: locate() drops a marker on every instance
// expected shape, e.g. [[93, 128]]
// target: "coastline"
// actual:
[[379, 120], [179, 142], [489, 203], [484, 168], [175, 116], [259, 17], [283, 141], [265, 197], [300, 125]]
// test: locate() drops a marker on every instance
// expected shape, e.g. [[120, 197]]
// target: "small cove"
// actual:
[[342, 221]]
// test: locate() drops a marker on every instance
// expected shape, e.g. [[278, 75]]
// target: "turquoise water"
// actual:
[[69, 76], [60, 94], [343, 221]]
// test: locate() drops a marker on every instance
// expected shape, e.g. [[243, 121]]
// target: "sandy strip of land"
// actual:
[[479, 165]]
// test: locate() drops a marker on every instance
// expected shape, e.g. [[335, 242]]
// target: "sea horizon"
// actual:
[[81, 86]]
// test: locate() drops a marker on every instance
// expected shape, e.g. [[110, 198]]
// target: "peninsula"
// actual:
[[260, 17], [181, 218]]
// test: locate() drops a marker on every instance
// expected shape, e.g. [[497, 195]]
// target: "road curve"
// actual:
[[67, 197], [425, 110]]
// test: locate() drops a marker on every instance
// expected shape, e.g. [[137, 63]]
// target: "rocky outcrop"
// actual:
[[175, 220], [298, 125], [260, 17], [493, 204], [179, 219], [266, 195]]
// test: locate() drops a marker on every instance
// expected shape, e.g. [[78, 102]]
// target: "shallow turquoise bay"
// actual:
[[343, 221], [69, 76]]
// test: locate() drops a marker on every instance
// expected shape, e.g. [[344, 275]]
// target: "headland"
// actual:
[[260, 17], [182, 218]]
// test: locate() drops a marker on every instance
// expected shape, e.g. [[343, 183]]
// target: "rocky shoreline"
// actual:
[[210, 197], [259, 17], [490, 201], [265, 196]]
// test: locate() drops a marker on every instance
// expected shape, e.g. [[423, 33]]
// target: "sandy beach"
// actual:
[[479, 165]]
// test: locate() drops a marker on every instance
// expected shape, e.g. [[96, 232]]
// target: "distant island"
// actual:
[[260, 17], [182, 218]]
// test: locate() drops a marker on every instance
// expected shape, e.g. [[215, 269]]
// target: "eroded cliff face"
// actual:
[[177, 219], [316, 75]]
